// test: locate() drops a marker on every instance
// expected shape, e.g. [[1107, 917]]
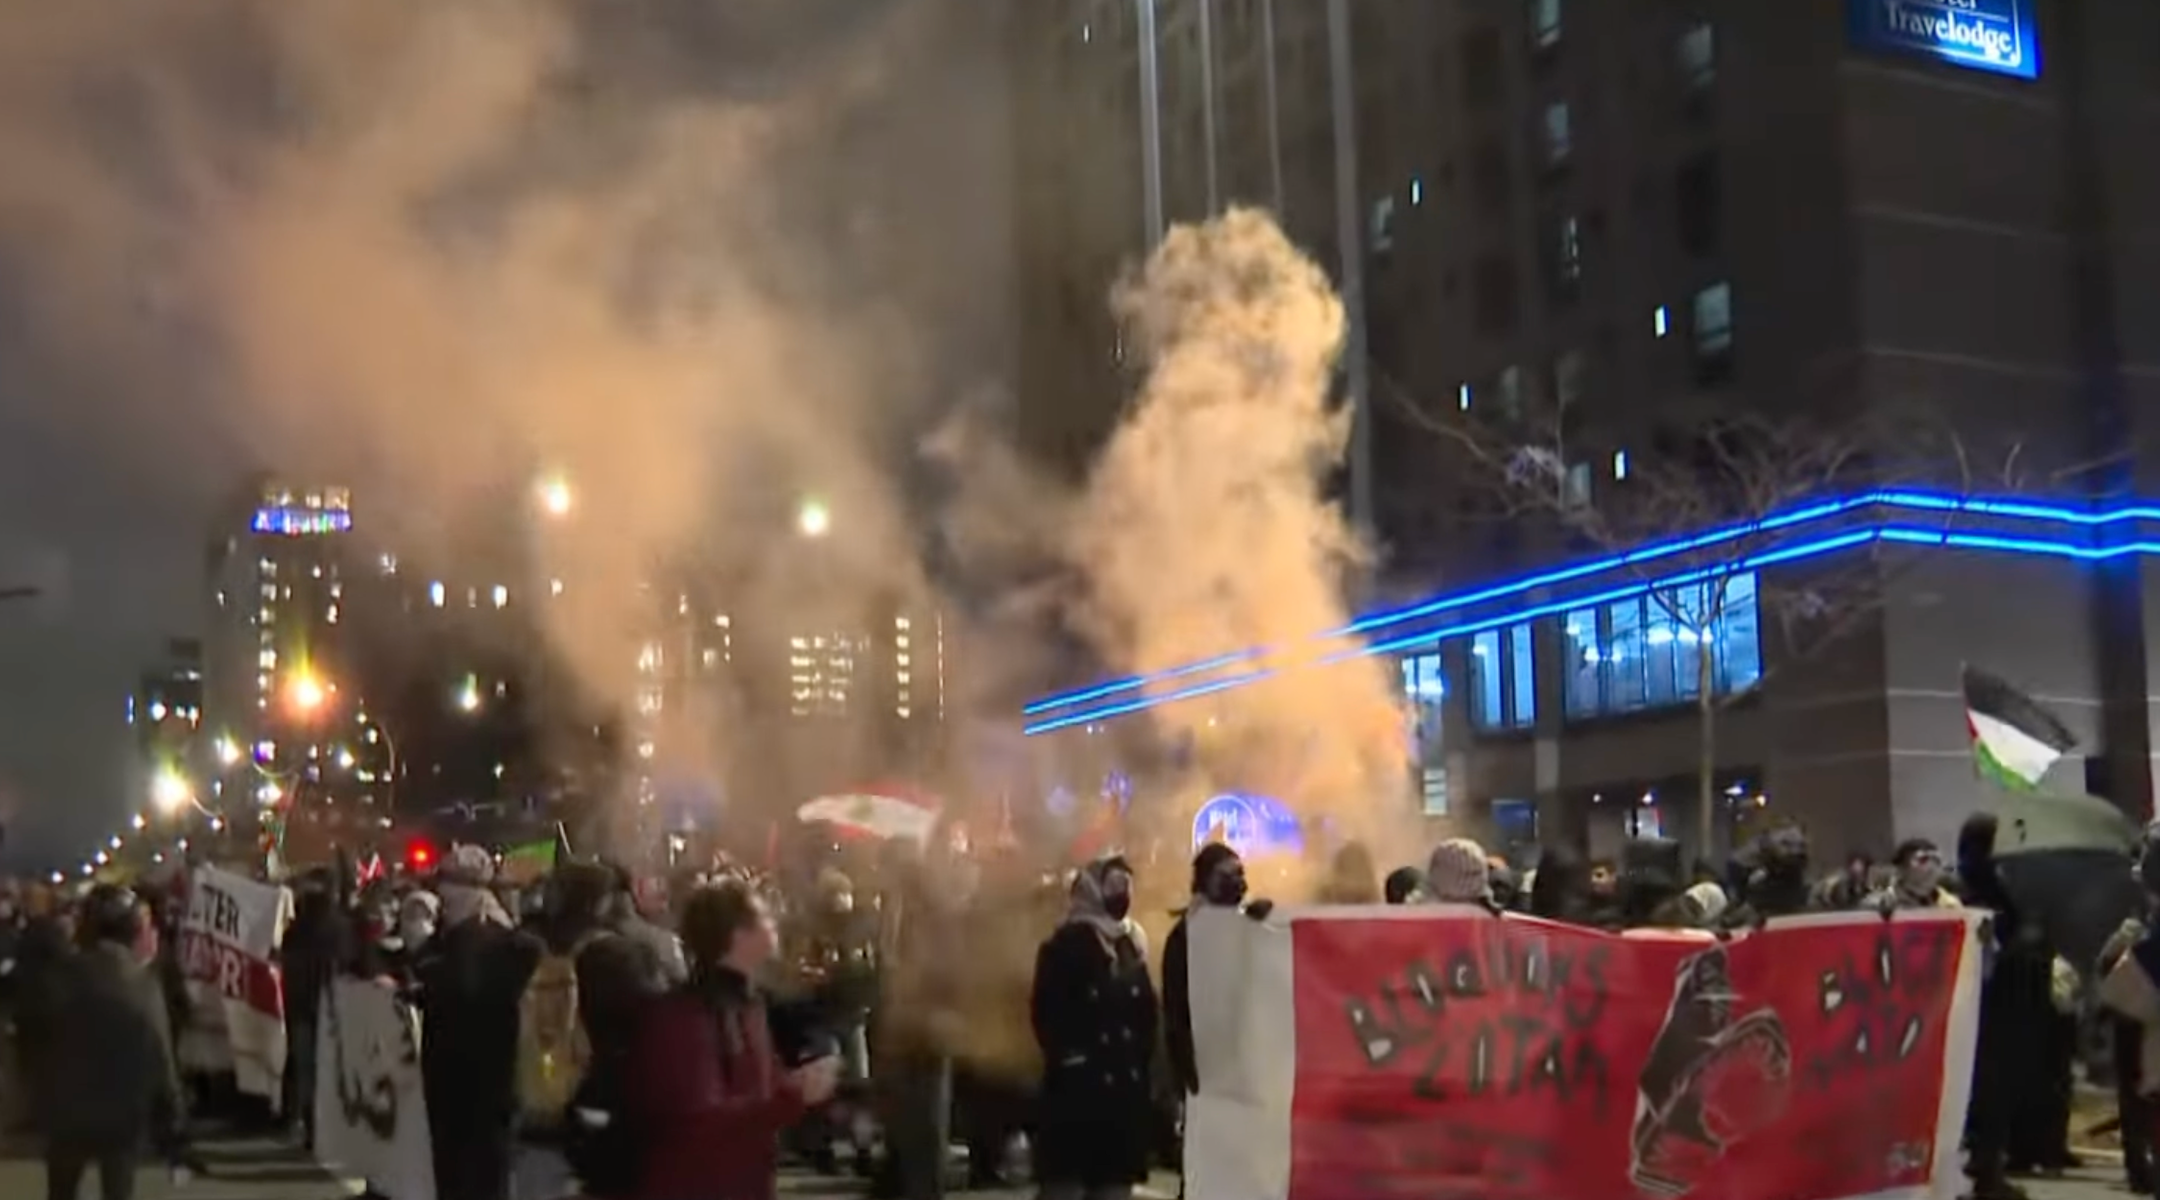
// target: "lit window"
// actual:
[[1567, 378], [1383, 225], [1545, 24], [1647, 652], [501, 595], [555, 587], [331, 614], [1425, 689], [1714, 320], [1567, 257], [1462, 397], [1696, 56], [1660, 321], [435, 593], [1559, 135], [1503, 692], [1417, 191], [1619, 465]]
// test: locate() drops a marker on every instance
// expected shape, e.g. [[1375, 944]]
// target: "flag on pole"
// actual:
[[526, 863], [2015, 740]]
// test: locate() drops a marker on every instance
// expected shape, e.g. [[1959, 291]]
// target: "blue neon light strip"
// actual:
[[1901, 535], [1893, 498]]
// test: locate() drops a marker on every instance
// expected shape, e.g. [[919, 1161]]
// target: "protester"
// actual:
[[1562, 889], [1404, 885], [1918, 879], [1352, 877], [708, 1092], [1095, 1019], [1457, 873], [1218, 881], [471, 990], [112, 1082]]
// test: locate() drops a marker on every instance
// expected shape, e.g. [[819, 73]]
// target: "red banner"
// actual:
[[1494, 1058]]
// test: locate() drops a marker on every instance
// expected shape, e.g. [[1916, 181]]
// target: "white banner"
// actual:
[[370, 1111], [228, 951], [1353, 1053]]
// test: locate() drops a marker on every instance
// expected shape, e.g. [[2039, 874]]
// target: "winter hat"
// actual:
[[469, 865], [1457, 873], [1708, 900]]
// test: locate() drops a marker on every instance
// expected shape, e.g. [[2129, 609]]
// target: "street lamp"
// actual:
[[556, 498], [468, 696], [813, 519], [169, 790], [306, 693]]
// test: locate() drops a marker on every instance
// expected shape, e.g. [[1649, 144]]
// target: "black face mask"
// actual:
[[1226, 891], [1118, 906]]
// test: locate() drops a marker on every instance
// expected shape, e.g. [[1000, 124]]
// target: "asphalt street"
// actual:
[[246, 1170]]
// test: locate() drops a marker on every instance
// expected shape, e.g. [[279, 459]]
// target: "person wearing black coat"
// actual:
[[115, 1082], [1218, 881], [471, 982], [1095, 1020]]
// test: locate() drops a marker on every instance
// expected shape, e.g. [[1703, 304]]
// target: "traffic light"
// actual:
[[420, 856]]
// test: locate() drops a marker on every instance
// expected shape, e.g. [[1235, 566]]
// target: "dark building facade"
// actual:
[[1648, 216]]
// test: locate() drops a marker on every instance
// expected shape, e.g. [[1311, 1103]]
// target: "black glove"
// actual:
[[1258, 910]]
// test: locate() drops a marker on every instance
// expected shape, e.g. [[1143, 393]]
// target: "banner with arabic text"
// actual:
[[1436, 1052], [370, 1111], [228, 951]]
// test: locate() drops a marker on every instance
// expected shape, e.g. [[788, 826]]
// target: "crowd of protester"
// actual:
[[575, 1041]]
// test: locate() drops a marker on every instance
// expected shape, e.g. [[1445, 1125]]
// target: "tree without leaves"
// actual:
[[1729, 469]]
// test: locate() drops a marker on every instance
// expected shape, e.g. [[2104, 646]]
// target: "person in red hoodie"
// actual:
[[708, 1094]]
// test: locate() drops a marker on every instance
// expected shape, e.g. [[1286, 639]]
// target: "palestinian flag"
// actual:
[[2015, 740]]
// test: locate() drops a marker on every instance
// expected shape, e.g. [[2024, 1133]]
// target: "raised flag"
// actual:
[[2015, 740]]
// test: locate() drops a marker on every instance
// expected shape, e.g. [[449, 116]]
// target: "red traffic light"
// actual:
[[420, 856]]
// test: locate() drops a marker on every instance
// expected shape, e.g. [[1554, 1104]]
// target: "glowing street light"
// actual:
[[556, 498], [140, 821], [813, 519], [468, 696], [228, 751], [170, 792], [306, 693]]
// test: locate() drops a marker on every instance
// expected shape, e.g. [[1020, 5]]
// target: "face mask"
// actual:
[[1225, 888], [1922, 877], [1119, 905]]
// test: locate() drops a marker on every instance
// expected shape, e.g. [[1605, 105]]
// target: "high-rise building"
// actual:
[[278, 640], [166, 712], [1649, 217]]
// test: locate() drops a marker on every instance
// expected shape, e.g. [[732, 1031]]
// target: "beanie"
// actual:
[[1457, 873]]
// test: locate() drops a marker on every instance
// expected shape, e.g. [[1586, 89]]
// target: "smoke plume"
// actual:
[[699, 259], [1206, 524]]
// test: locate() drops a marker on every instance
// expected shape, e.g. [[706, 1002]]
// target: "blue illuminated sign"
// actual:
[[1226, 672], [1248, 824], [1998, 36], [301, 522]]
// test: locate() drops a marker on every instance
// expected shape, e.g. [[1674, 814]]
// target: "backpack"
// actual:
[[553, 1053]]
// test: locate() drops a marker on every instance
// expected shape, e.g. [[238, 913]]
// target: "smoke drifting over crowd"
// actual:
[[1206, 525], [692, 255]]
